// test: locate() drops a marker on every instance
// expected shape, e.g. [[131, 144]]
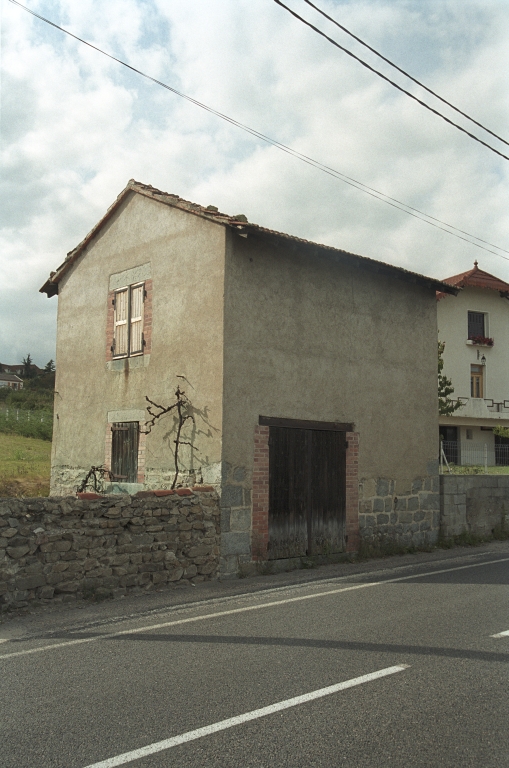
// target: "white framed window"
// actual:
[[128, 305]]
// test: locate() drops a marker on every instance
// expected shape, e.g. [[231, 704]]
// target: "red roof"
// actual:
[[475, 278]]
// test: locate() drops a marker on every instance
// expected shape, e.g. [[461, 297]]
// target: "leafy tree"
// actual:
[[446, 406], [49, 367], [501, 431]]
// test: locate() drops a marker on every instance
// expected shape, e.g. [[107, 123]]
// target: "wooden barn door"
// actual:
[[307, 488], [124, 451]]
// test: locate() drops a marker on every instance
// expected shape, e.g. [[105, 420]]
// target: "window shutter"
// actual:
[[136, 334], [120, 337]]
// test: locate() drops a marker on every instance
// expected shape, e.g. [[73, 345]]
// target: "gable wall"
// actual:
[[186, 258]]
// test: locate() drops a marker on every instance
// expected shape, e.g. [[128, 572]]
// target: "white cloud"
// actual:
[[76, 126]]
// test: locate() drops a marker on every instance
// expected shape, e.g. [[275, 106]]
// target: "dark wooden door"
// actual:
[[307, 470], [124, 451]]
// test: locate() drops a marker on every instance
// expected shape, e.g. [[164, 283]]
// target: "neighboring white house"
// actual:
[[475, 329]]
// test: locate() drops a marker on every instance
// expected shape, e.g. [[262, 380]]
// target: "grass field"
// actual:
[[24, 466]]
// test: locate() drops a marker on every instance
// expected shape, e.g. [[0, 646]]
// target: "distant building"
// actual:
[[10, 380], [475, 329], [19, 369]]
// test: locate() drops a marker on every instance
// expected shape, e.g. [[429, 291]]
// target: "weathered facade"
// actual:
[[268, 333]]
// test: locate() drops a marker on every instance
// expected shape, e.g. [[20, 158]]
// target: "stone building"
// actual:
[[311, 371]]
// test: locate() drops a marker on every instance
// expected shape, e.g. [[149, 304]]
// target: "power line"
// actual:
[[403, 72], [388, 80], [393, 202]]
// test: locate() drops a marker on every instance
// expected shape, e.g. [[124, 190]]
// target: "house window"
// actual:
[[476, 381], [469, 434], [476, 324], [128, 303], [124, 451]]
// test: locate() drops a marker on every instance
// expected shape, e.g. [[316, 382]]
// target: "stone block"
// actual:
[[239, 474], [199, 551], [235, 544], [416, 485], [382, 519], [382, 487], [406, 518], [190, 571], [378, 505], [46, 593], [31, 582], [17, 552], [240, 519], [232, 496], [176, 574]]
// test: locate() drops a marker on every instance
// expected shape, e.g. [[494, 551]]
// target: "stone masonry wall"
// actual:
[[61, 548], [476, 504], [235, 519], [410, 516]]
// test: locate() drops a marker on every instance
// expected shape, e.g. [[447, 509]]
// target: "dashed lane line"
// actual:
[[222, 725], [501, 634], [243, 609]]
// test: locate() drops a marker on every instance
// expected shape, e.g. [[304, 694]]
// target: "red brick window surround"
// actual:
[[137, 327], [108, 444], [260, 512]]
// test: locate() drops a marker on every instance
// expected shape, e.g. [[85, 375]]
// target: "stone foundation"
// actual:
[[64, 548]]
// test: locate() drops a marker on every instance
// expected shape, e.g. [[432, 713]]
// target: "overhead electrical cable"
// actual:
[[403, 72], [387, 79], [393, 202]]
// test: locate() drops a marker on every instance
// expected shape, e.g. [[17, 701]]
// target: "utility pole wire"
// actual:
[[433, 93], [388, 80], [294, 153]]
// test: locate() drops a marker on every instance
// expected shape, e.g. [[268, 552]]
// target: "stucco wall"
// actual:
[[452, 313], [314, 337], [186, 258]]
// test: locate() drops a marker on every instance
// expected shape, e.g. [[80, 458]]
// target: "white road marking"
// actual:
[[501, 634], [244, 609], [159, 746]]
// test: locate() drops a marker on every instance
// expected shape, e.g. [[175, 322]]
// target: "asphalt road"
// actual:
[[427, 683]]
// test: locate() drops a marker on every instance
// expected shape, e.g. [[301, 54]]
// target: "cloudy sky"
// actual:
[[77, 126]]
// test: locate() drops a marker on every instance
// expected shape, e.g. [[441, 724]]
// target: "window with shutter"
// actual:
[[136, 316], [128, 321]]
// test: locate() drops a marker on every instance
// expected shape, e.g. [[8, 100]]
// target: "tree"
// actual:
[[28, 367], [446, 406], [49, 367]]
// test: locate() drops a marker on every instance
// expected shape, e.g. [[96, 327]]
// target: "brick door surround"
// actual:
[[260, 529]]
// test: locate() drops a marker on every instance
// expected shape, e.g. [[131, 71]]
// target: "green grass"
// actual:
[[474, 469], [24, 466]]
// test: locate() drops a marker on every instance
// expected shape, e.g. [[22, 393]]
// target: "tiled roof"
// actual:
[[240, 224], [475, 278], [9, 377]]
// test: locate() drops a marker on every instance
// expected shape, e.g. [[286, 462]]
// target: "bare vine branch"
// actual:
[[183, 408]]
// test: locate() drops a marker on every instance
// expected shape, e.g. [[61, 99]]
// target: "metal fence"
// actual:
[[470, 453], [20, 414]]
